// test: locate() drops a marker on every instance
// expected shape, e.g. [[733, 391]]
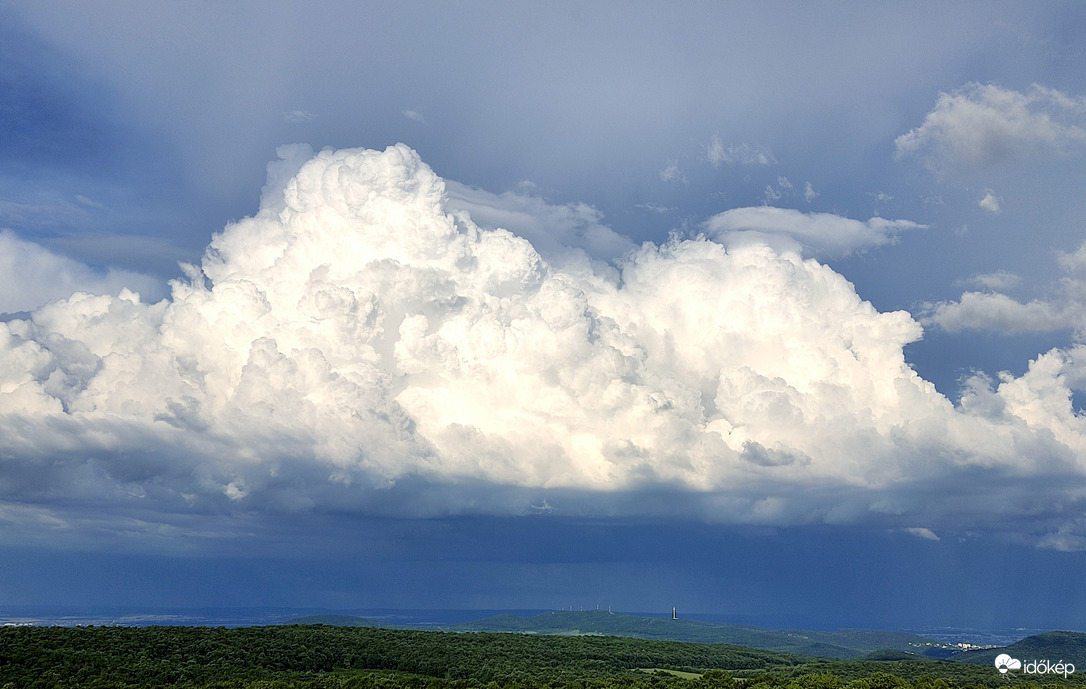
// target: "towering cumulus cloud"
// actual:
[[356, 339]]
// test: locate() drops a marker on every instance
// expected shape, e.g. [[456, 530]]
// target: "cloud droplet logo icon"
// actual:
[[1004, 662]]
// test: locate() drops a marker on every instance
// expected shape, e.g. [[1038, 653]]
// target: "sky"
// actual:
[[754, 309]]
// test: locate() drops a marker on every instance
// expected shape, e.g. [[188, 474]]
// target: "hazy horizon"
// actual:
[[424, 619]]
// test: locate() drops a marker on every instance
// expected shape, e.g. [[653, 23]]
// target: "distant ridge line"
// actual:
[[844, 644]]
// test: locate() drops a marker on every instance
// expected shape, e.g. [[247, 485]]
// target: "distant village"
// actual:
[[961, 646]]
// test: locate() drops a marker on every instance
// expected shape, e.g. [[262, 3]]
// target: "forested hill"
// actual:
[[340, 621], [1052, 646], [50, 657], [323, 657], [839, 644]]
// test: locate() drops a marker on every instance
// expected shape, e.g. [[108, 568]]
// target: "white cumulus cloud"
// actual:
[[999, 280], [989, 202], [363, 344], [33, 276], [997, 312], [984, 124]]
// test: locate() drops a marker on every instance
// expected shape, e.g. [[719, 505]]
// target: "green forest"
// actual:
[[326, 656]]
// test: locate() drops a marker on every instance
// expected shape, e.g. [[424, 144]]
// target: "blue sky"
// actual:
[[751, 308]]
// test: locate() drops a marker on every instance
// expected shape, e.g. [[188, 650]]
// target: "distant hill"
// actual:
[[849, 644], [1053, 646], [839, 644], [336, 621]]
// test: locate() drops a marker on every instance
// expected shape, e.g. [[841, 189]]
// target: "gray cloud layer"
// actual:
[[360, 345]]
